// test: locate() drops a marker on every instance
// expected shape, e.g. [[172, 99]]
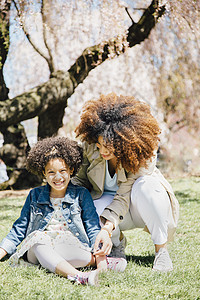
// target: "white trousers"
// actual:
[[49, 257], [149, 205]]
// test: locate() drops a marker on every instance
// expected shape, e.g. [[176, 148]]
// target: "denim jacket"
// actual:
[[77, 207]]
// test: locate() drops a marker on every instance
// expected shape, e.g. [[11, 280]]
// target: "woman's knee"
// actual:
[[147, 188]]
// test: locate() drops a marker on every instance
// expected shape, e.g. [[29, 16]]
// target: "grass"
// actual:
[[138, 281]]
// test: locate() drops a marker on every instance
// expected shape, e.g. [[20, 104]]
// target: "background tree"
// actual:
[[50, 98], [177, 89], [57, 33]]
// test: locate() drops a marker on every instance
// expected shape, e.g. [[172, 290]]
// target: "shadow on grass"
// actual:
[[5, 258], [146, 261]]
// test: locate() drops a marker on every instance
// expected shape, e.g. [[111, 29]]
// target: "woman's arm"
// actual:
[[114, 213], [118, 208]]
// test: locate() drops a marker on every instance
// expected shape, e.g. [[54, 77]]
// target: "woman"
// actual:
[[121, 138]]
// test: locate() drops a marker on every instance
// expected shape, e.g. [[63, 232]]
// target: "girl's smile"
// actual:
[[58, 176]]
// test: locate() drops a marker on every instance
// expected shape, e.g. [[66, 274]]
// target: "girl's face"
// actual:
[[58, 176], [106, 153]]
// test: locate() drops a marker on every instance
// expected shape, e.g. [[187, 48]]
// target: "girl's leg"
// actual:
[[62, 259], [50, 259]]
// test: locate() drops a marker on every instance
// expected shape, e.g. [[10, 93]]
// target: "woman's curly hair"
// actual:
[[126, 125], [54, 147]]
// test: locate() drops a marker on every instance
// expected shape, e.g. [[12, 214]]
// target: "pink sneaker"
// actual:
[[116, 264], [86, 278]]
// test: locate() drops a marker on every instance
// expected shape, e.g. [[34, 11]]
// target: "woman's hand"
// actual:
[[104, 239]]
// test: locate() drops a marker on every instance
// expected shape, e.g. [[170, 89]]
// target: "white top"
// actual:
[[57, 221], [110, 184]]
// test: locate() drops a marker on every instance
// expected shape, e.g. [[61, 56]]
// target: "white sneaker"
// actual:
[[116, 264], [162, 261], [86, 278]]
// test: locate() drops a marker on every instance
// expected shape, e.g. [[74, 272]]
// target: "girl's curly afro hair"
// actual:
[[54, 147], [126, 125]]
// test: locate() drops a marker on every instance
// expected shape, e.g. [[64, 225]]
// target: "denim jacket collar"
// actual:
[[44, 197]]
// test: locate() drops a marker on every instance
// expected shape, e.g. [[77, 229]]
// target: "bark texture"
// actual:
[[62, 85], [15, 146], [48, 100]]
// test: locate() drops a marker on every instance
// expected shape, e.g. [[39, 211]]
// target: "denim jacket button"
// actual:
[[64, 205], [77, 234], [69, 221]]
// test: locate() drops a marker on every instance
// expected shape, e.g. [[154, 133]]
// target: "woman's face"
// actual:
[[58, 176], [106, 153]]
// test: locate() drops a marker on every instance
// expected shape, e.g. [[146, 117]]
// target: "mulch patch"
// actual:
[[12, 193]]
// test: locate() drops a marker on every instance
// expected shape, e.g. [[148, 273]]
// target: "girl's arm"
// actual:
[[89, 216], [2, 253], [18, 231]]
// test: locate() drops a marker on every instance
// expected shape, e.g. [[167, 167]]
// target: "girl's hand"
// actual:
[[2, 253], [104, 239]]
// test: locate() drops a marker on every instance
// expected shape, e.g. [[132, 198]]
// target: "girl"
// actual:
[[58, 223], [121, 138]]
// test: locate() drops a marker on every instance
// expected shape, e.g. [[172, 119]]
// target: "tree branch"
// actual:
[[126, 9], [30, 40], [140, 31], [4, 45], [62, 85], [50, 59]]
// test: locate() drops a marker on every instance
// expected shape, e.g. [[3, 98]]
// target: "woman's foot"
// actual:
[[119, 251], [85, 278], [116, 264], [162, 261]]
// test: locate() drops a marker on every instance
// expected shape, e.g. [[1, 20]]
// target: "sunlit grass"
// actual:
[[138, 281]]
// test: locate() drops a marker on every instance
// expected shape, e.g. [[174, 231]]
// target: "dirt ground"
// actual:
[[12, 193]]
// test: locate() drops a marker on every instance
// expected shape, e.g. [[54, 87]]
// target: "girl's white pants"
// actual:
[[49, 257], [149, 205]]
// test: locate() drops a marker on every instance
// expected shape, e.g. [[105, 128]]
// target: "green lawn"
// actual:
[[138, 281]]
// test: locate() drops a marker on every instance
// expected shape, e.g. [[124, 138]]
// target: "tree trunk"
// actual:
[[51, 121], [15, 145], [48, 101], [14, 153]]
